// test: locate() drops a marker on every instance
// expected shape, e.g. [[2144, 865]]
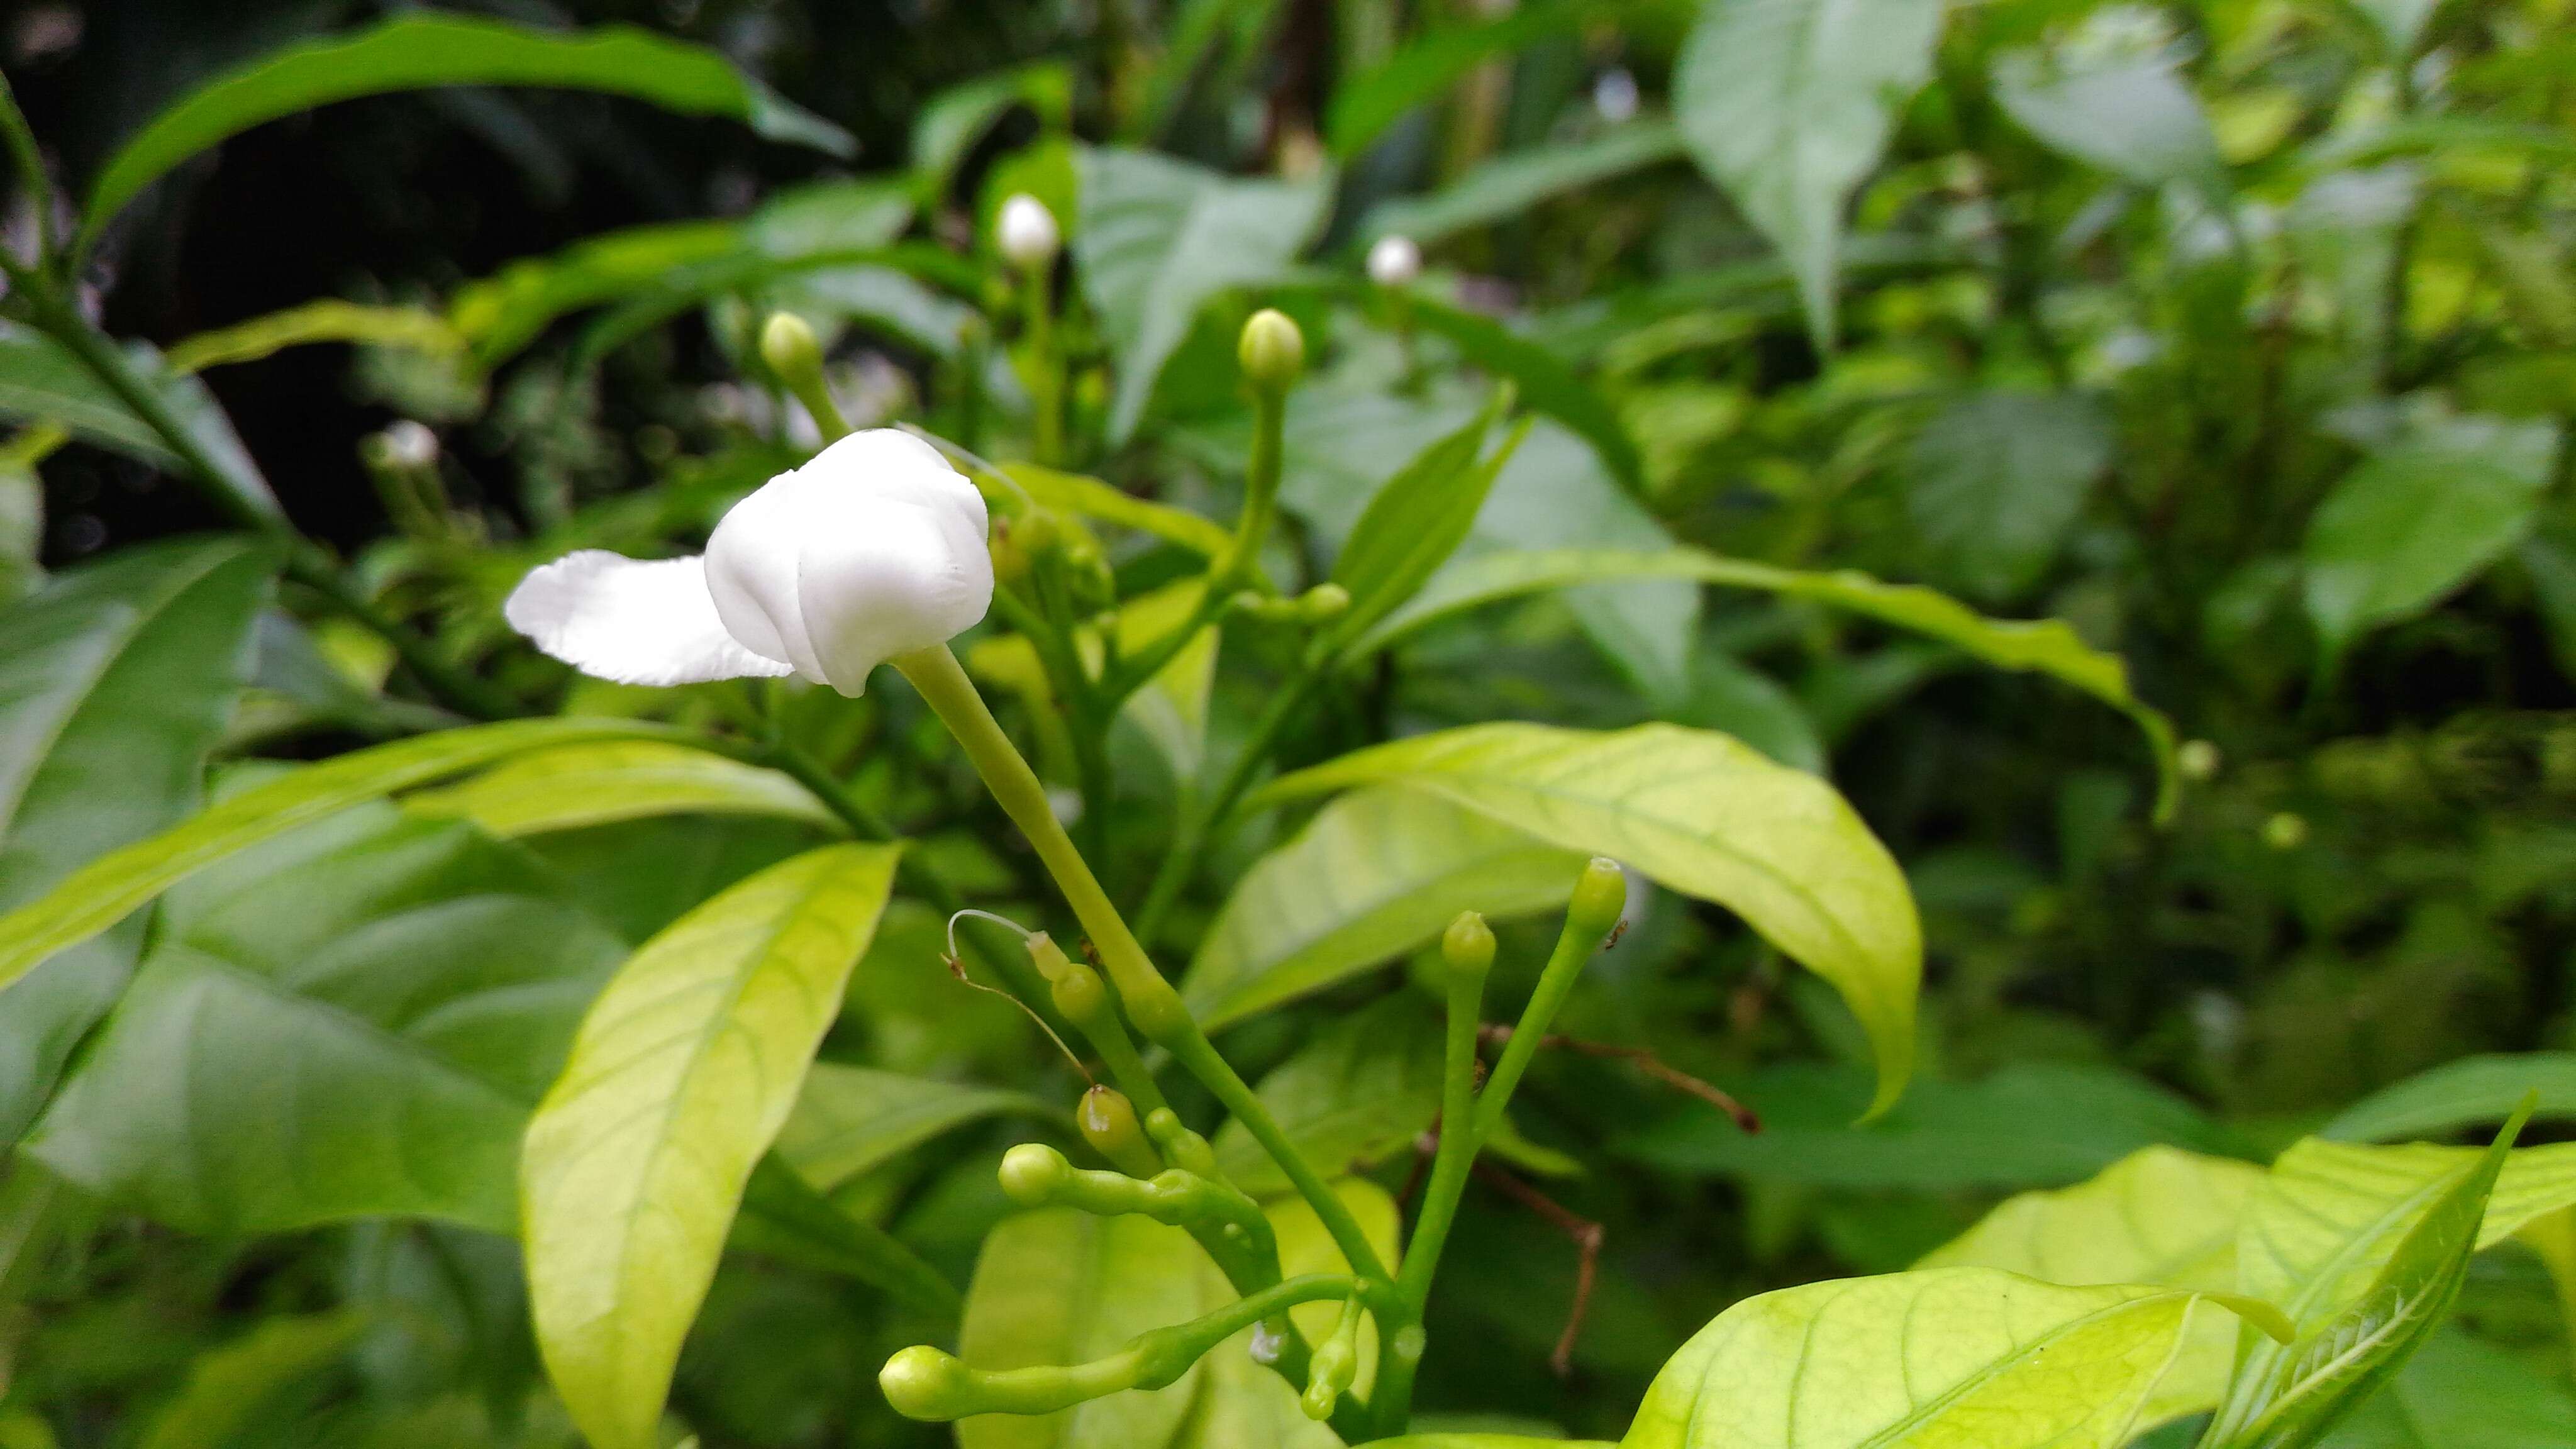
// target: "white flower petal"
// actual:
[[631, 621]]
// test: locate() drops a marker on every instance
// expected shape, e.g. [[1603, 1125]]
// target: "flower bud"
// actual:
[[1181, 1147], [1600, 895], [1272, 351], [1394, 261], [789, 346], [406, 443], [1108, 1123], [1032, 1173], [2197, 761], [1323, 603], [876, 547], [2285, 831], [1468, 946], [923, 1383], [1026, 232]]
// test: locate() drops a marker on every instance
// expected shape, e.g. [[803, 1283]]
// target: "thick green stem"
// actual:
[[1151, 1002]]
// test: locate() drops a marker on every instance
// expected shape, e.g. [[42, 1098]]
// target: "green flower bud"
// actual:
[[790, 348], [1182, 1147], [924, 1383], [1108, 1123], [1323, 602], [1335, 1365], [1468, 945], [1273, 351], [2197, 760], [1032, 1173], [1599, 896], [2285, 831]]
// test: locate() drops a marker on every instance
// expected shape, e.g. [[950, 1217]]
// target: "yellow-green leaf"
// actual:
[[1704, 814], [1950, 1358], [599, 784], [682, 1075], [100, 893]]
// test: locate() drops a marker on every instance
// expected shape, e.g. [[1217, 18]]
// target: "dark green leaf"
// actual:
[[2460, 1094], [2133, 117], [2458, 1391], [958, 117], [1415, 522], [849, 1120], [1998, 477], [1512, 183], [42, 382], [1364, 106], [1546, 385], [417, 51], [124, 671], [1358, 1094], [2406, 528], [784, 1217], [347, 1022]]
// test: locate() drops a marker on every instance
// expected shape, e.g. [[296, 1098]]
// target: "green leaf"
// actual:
[[1787, 104], [1360, 1093], [849, 1120], [1949, 1356], [953, 121], [100, 893], [1512, 183], [2459, 1094], [2364, 1273], [351, 1021], [2047, 646], [228, 1386], [784, 1217], [1093, 499], [1703, 814], [2157, 1216], [2403, 530], [419, 51], [325, 320], [1484, 1441], [1157, 239], [121, 671], [43, 382], [1365, 105], [1063, 1287], [1546, 385], [2025, 1125], [2133, 116], [1377, 873], [596, 784], [2458, 1391], [681, 1076], [829, 223], [1998, 478], [1415, 522], [2400, 23]]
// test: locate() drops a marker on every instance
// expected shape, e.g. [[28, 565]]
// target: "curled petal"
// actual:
[[631, 621]]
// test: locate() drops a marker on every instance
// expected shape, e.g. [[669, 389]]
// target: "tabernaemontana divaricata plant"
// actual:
[[965, 887]]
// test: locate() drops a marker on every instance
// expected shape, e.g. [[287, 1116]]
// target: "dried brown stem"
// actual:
[[1587, 1242]]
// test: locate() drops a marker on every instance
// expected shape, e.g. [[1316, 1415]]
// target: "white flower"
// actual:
[[874, 548], [1394, 261], [1026, 231], [1614, 95]]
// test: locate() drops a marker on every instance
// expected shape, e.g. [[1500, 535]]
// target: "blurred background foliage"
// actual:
[[2241, 335]]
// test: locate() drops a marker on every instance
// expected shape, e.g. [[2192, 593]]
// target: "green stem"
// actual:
[[31, 170], [1399, 1352], [1151, 1002], [1574, 947]]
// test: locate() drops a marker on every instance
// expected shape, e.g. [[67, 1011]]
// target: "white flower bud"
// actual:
[[1394, 261], [1027, 232], [409, 444], [874, 548]]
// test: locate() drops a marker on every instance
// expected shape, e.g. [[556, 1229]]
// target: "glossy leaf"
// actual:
[[1949, 1356], [418, 51], [43, 382], [851, 1119], [1998, 478], [1415, 522], [100, 893], [1787, 104], [351, 1021], [2403, 530], [2028, 1124], [1359, 1093], [680, 1078], [2048, 646], [1157, 239], [2364, 1273], [2134, 117], [1703, 814], [565, 789], [1377, 873], [126, 671], [2465, 1093], [1510, 184]]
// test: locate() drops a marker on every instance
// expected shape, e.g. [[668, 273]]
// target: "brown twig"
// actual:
[[1644, 1061], [1587, 1236]]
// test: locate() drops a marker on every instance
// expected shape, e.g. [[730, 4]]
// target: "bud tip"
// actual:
[[1273, 351], [1468, 944]]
